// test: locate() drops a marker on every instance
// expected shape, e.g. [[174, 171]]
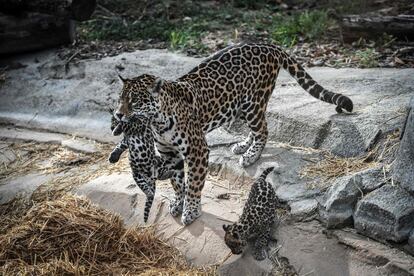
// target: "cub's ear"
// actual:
[[225, 227], [156, 88], [121, 78], [111, 110]]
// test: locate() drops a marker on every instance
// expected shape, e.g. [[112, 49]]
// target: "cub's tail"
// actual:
[[266, 172], [312, 87]]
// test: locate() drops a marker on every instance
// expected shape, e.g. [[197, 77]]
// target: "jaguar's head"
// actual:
[[233, 238], [138, 96]]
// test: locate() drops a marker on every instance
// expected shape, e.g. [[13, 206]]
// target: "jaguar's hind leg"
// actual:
[[254, 110], [258, 127]]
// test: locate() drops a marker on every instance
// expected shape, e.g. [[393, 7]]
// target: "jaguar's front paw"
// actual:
[[190, 215], [242, 146], [114, 157], [247, 160], [176, 208]]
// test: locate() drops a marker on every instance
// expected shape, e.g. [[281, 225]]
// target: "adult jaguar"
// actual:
[[235, 82]]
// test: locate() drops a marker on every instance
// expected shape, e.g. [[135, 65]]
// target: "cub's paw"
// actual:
[[190, 215], [114, 157], [175, 208]]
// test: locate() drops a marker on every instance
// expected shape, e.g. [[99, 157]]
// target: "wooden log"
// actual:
[[356, 26], [74, 9], [34, 32]]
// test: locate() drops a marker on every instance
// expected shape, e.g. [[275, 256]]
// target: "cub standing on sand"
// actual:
[[254, 225], [235, 82], [145, 164]]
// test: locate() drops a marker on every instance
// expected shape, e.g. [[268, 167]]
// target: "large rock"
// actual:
[[74, 99], [403, 169], [337, 206], [21, 186], [387, 213], [411, 242], [295, 117], [371, 179], [303, 210]]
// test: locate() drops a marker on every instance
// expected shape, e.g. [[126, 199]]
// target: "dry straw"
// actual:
[[332, 166], [71, 236]]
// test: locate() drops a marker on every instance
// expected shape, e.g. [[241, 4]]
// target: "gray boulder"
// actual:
[[371, 179], [387, 213], [411, 242], [403, 169], [303, 210], [337, 206]]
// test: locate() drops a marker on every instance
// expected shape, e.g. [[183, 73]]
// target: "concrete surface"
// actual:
[[311, 252], [202, 242]]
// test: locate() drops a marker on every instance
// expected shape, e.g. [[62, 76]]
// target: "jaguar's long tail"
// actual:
[[311, 86], [266, 172], [147, 209], [147, 186]]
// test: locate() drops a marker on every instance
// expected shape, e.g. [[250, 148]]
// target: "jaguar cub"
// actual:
[[256, 221], [146, 166]]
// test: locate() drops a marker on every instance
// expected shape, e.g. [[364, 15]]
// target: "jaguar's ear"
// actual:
[[225, 227], [121, 78], [156, 88]]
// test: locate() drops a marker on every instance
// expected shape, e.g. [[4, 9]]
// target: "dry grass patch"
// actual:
[[332, 166], [55, 159], [71, 236]]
